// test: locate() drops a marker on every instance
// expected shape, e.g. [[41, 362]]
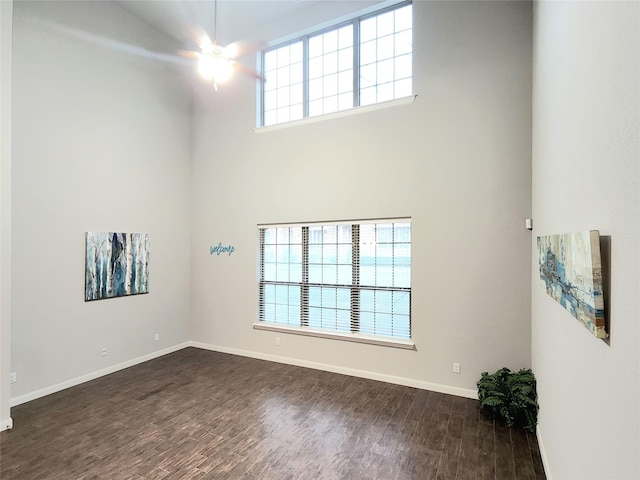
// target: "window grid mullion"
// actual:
[[393, 268], [262, 87], [375, 279], [304, 285], [261, 277], [355, 278], [305, 76], [356, 62]]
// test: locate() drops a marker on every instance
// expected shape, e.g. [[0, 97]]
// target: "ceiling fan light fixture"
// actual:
[[207, 46], [215, 62], [230, 51], [206, 67], [215, 67]]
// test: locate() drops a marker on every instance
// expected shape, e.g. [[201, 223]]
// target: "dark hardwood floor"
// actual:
[[196, 414]]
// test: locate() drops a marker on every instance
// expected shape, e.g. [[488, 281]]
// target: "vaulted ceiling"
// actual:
[[238, 19]]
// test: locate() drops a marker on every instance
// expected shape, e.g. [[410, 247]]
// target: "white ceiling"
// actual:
[[237, 19]]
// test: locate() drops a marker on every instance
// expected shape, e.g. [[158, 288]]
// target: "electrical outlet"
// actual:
[[456, 367], [103, 352], [156, 337], [278, 341], [13, 377]]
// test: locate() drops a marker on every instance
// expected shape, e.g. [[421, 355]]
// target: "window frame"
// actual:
[[355, 287], [356, 86]]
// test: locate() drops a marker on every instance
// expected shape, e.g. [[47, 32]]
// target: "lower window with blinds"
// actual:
[[350, 280]]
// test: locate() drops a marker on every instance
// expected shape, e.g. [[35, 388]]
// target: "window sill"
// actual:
[[349, 337], [343, 113]]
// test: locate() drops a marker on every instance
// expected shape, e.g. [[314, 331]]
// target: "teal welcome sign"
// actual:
[[220, 249]]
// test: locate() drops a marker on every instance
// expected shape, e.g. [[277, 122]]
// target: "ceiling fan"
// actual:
[[214, 62], [217, 62]]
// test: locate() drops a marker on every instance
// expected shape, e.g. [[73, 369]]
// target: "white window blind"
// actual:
[[343, 277]]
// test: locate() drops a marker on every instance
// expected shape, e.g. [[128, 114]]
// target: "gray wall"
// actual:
[[6, 16], [101, 142], [586, 124], [87, 122], [457, 161]]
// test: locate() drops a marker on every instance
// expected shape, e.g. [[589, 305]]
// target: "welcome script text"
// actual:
[[219, 249]]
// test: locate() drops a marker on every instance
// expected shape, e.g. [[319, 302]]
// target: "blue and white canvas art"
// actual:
[[116, 264], [571, 273]]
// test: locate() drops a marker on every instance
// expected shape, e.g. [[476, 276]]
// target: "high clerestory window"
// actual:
[[349, 278], [360, 62]]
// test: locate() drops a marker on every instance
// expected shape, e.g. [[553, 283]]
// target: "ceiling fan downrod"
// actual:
[[215, 62]]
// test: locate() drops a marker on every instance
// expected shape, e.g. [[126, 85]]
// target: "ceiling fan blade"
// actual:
[[189, 54], [248, 71], [242, 47], [119, 46], [200, 36]]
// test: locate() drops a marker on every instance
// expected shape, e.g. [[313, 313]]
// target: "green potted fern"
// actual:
[[510, 396]]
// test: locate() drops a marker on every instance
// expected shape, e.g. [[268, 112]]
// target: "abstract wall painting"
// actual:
[[571, 273], [116, 264]]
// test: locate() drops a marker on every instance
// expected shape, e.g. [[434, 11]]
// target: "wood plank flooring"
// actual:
[[196, 414]]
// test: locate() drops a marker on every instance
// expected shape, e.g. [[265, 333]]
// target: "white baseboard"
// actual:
[[93, 375], [543, 454], [407, 382], [6, 424]]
